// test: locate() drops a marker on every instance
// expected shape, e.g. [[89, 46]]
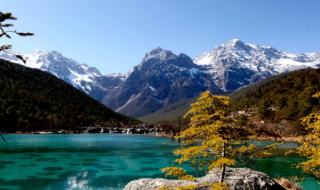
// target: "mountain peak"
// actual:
[[248, 63], [40, 55], [54, 52], [158, 53], [235, 43], [156, 50], [159, 50]]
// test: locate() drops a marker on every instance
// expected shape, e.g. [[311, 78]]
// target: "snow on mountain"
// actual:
[[235, 63], [161, 78], [81, 76]]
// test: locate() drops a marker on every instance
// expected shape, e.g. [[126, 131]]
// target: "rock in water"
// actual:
[[236, 178]]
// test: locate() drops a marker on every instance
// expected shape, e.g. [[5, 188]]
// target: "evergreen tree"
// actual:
[[6, 31], [289, 96], [310, 146], [214, 139]]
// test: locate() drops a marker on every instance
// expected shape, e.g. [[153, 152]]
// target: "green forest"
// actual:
[[34, 100], [287, 96]]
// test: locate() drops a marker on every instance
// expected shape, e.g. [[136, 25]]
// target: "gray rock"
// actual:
[[236, 178], [162, 78]]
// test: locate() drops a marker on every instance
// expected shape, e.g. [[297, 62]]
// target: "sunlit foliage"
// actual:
[[214, 138], [310, 145]]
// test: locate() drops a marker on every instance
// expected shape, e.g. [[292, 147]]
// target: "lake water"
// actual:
[[94, 161]]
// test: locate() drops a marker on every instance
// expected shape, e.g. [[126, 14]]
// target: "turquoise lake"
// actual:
[[94, 161]]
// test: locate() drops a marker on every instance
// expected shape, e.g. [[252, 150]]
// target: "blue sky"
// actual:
[[114, 35]]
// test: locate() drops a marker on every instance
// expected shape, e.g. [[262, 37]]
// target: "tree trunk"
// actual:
[[223, 172], [223, 168]]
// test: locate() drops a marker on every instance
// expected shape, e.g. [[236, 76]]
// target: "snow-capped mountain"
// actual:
[[236, 64], [161, 78], [81, 76]]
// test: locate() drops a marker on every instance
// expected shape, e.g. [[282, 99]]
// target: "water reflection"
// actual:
[[79, 181]]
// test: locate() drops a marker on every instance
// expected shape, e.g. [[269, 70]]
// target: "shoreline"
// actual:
[[49, 133], [152, 134]]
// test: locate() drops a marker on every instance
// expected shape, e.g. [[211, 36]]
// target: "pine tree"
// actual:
[[213, 139], [310, 145], [6, 31]]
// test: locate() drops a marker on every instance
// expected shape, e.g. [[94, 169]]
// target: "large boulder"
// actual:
[[236, 178]]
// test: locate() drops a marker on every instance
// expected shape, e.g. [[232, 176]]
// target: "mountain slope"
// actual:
[[236, 64], [81, 76], [172, 112], [227, 68], [162, 78], [286, 96], [34, 100]]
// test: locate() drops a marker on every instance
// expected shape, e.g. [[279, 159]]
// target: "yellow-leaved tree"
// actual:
[[310, 145], [214, 139]]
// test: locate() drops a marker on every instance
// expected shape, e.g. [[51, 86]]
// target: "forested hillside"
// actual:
[[286, 96], [34, 100]]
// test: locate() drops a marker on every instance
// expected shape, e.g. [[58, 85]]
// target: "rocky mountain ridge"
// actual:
[[163, 78], [236, 64], [81, 76]]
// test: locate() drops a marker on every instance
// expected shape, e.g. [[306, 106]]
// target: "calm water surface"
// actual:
[[94, 161]]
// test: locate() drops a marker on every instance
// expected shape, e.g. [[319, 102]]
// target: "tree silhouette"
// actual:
[[6, 31]]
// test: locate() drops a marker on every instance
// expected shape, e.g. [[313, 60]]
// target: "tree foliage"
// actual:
[[310, 145], [214, 138], [7, 31]]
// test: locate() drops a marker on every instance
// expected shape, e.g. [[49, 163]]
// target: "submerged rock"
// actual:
[[236, 178]]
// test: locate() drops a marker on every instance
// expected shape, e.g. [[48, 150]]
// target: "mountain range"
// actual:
[[163, 78], [81, 76]]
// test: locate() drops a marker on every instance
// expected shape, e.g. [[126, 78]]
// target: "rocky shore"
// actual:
[[236, 179], [147, 129]]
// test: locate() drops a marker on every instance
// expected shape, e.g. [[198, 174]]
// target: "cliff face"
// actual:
[[236, 178]]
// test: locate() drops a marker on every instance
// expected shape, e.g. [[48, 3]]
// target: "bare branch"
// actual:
[[5, 47], [5, 33], [8, 47], [25, 33], [20, 57], [6, 25], [18, 33]]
